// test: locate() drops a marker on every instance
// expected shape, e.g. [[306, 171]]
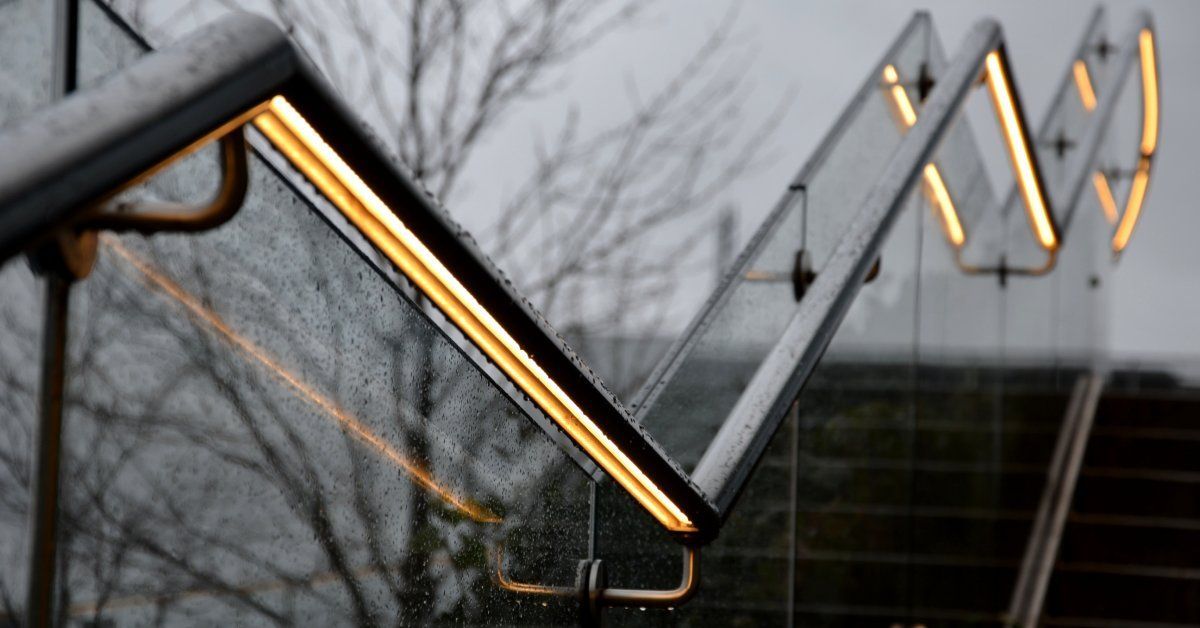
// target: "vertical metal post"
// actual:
[[47, 457], [793, 505], [66, 47], [726, 243], [44, 493]]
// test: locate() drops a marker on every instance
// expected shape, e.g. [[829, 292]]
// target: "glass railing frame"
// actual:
[[147, 119], [1131, 52], [1087, 148], [671, 362], [183, 109], [1010, 202], [219, 79], [734, 452]]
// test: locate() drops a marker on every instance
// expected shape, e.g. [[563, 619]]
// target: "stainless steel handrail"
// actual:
[[59, 163], [668, 367], [733, 453], [1012, 199], [122, 130], [1041, 550], [1083, 159], [731, 457], [1061, 97]]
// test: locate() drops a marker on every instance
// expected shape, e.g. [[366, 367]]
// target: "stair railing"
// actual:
[[60, 168]]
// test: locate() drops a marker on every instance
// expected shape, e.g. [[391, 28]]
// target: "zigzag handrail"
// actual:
[[742, 438], [1140, 44], [252, 75]]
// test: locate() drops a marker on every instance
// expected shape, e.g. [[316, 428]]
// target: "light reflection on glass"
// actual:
[[210, 320]]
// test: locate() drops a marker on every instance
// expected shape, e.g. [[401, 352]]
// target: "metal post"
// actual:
[[726, 243], [44, 522], [47, 463], [66, 47], [793, 506]]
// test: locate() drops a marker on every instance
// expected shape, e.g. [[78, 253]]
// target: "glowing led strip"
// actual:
[[1149, 92], [1149, 143], [1087, 98], [1137, 196], [940, 197], [935, 187], [1018, 150], [1083, 82], [904, 107], [308, 151], [1108, 204], [1141, 177]]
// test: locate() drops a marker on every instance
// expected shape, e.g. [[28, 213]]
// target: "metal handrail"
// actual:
[[1041, 550], [726, 465], [67, 158], [56, 166], [670, 364], [739, 443], [1082, 162], [59, 164], [1060, 100], [735, 450]]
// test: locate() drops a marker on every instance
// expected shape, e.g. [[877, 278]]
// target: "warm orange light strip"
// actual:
[[1141, 176], [940, 197], [348, 422], [935, 187], [904, 108], [901, 104], [907, 113], [1133, 208], [1149, 92], [1018, 150], [1083, 81], [296, 139], [1104, 193]]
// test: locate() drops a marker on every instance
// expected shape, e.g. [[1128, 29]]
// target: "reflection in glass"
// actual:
[[309, 152], [277, 434]]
